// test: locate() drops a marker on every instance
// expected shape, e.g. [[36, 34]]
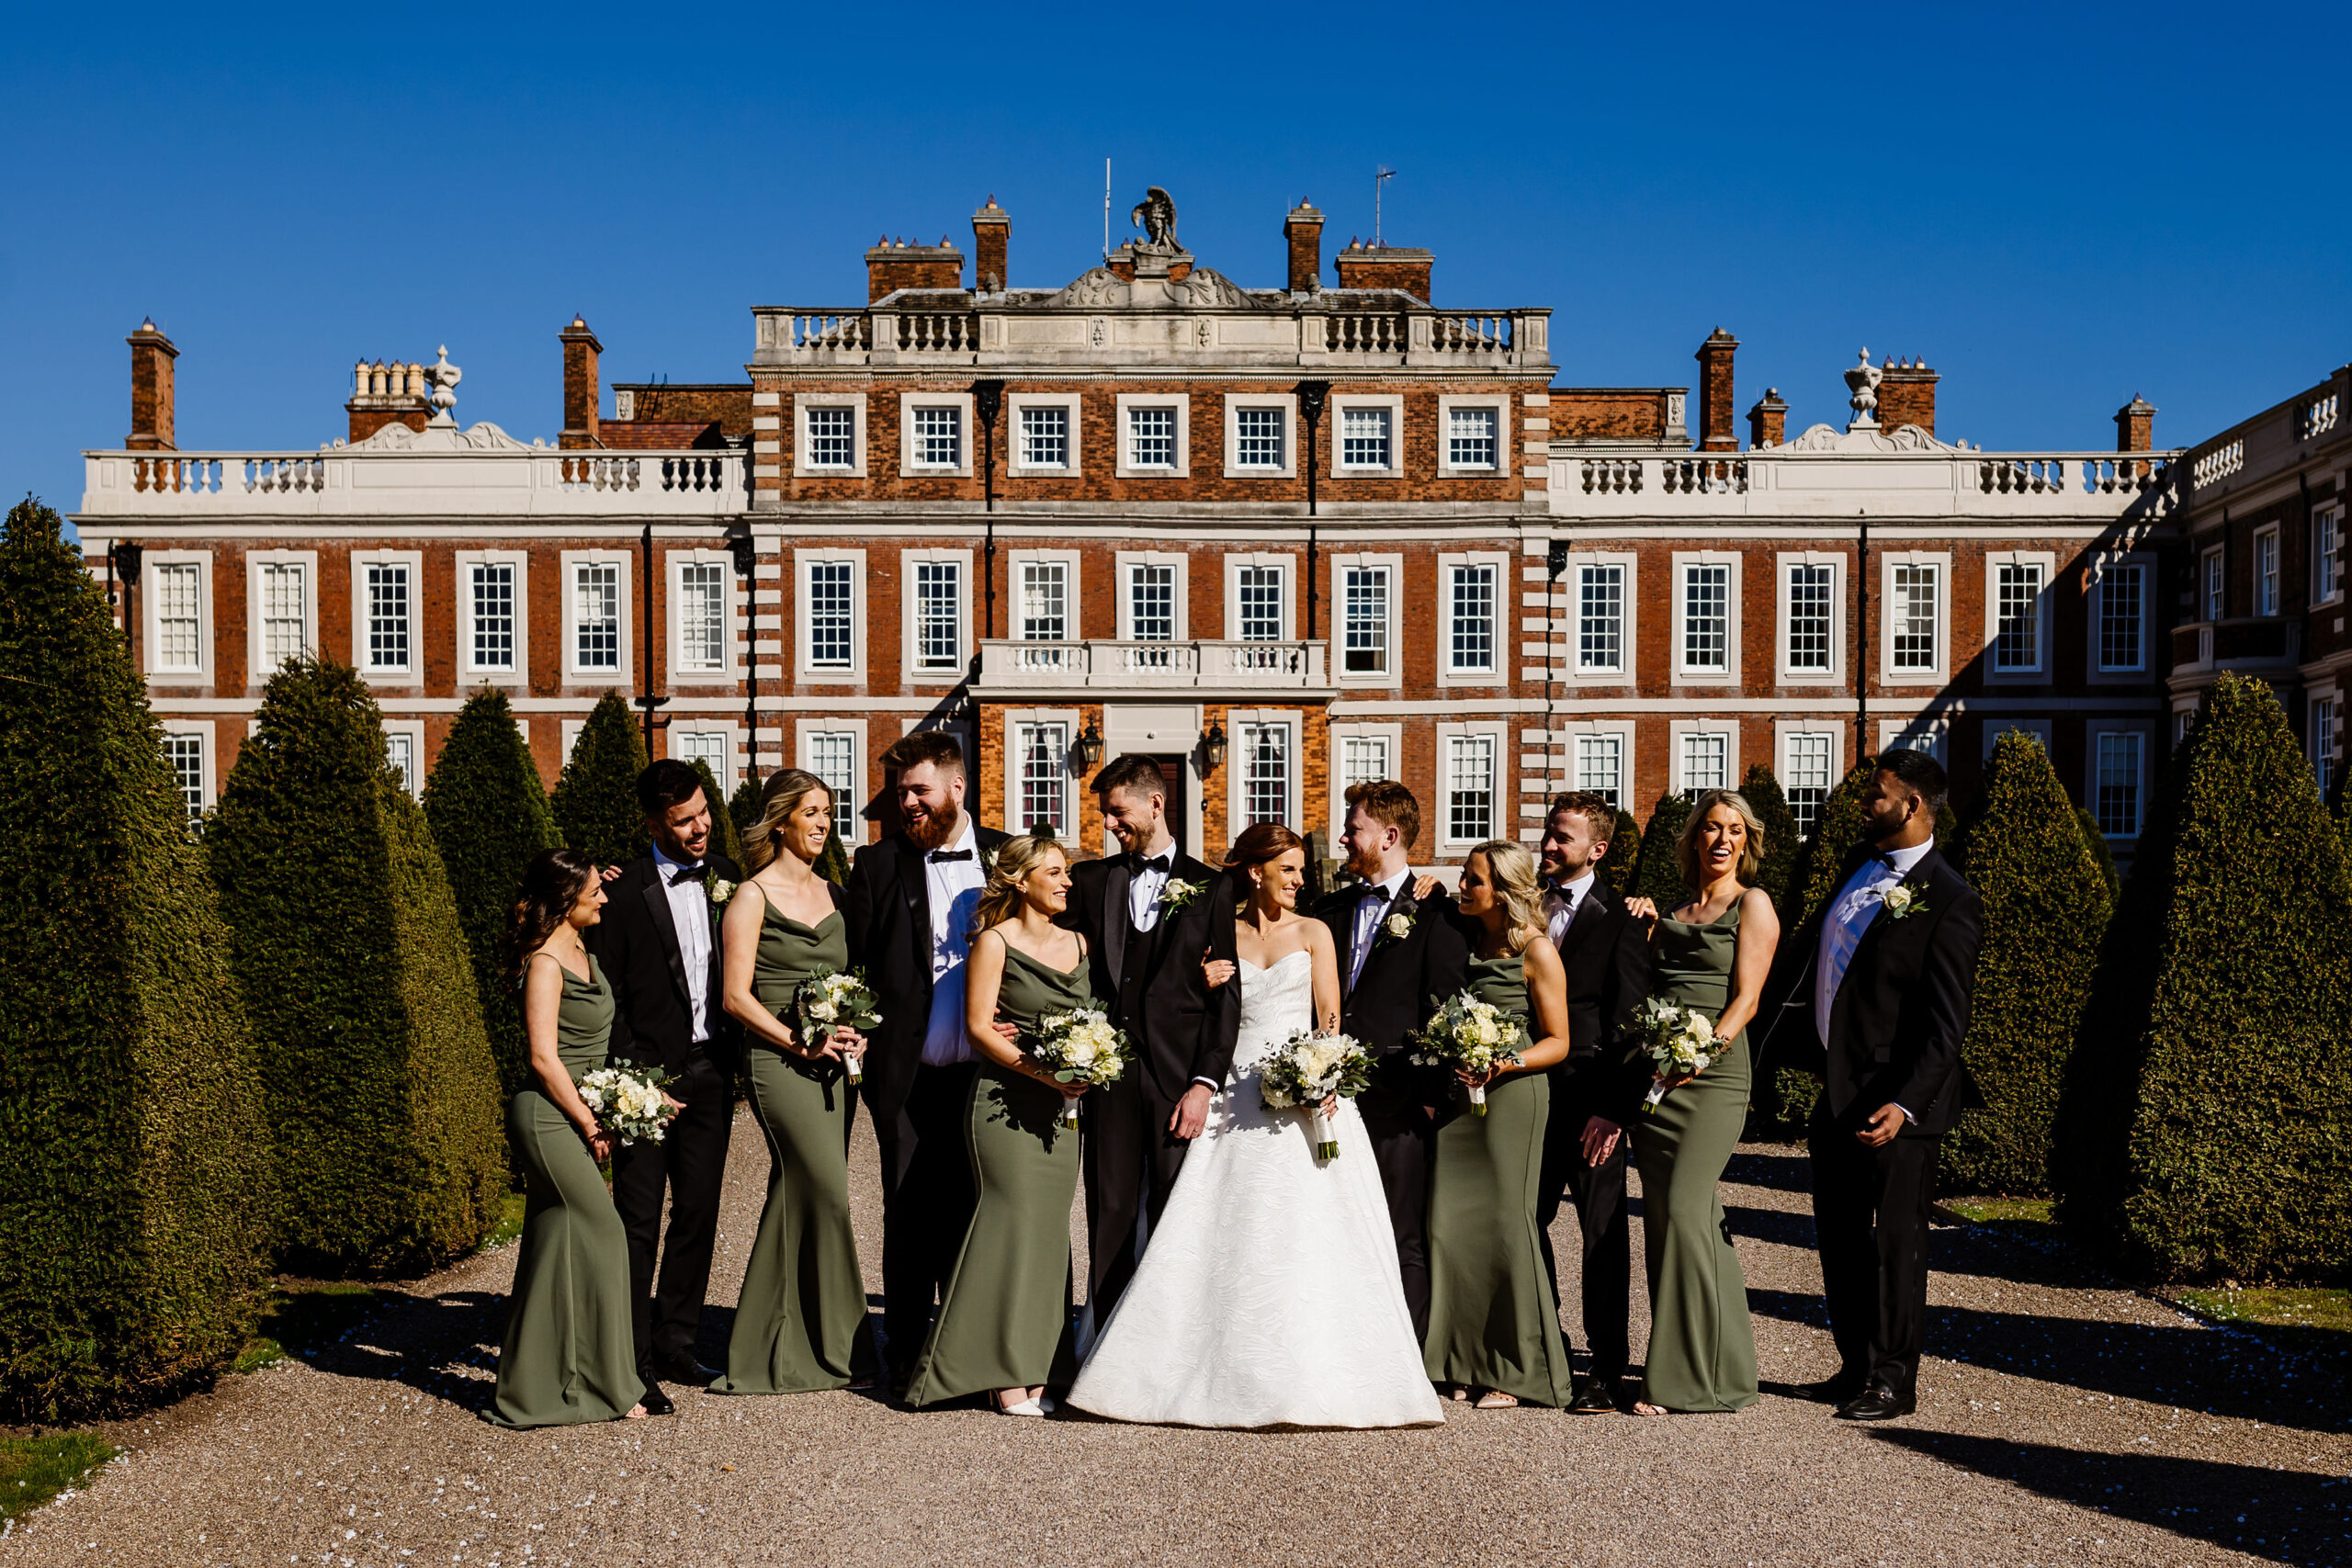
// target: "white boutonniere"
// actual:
[[1399, 926], [1175, 892], [1903, 901], [719, 889]]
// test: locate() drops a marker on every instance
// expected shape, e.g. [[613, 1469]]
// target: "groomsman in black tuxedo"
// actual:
[[1399, 957], [1873, 994], [657, 945], [909, 905], [1607, 956], [1151, 916]]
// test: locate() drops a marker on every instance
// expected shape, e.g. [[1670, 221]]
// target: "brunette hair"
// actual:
[[1391, 805], [1512, 870], [1751, 851], [780, 796], [666, 784], [1601, 817], [1259, 843], [1001, 895], [936, 747], [1134, 772], [552, 885], [1920, 773]]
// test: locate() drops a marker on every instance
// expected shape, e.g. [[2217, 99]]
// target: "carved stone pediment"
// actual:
[[1830, 438], [1202, 288], [482, 438], [1094, 288]]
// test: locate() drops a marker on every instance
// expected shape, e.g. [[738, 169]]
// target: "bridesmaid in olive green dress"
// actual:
[[1004, 1323], [569, 1354], [1712, 954], [800, 1321], [1494, 1321]]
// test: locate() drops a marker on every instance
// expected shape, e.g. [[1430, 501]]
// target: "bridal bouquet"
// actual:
[[1679, 1040], [1467, 1032], [1308, 1070], [830, 1000], [1082, 1047], [628, 1102]]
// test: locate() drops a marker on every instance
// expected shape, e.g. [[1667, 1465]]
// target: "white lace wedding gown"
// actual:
[[1268, 1294]]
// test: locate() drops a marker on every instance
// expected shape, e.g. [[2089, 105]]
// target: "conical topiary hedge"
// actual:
[[2206, 1128], [2045, 915], [135, 1189], [595, 797], [724, 837], [1616, 869], [1835, 833], [743, 805], [1782, 846], [488, 815], [1657, 875], [382, 1089]]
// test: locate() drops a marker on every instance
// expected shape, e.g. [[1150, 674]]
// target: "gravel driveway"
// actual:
[[2063, 1420]]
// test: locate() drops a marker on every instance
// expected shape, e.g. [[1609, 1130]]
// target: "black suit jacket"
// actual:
[[636, 943], [1901, 1011], [1184, 1030], [887, 911], [1607, 956], [1404, 980]]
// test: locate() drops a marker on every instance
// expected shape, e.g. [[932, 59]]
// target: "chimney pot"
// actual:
[[1303, 238], [583, 391], [2135, 425], [991, 236], [152, 398], [1907, 394], [1714, 357]]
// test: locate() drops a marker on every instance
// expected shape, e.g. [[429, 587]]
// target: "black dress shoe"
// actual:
[[656, 1403], [1877, 1402], [1596, 1398], [1840, 1390], [686, 1371]]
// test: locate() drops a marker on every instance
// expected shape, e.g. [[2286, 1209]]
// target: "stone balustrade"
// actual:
[[1777, 482], [2317, 417], [357, 482], [2219, 464]]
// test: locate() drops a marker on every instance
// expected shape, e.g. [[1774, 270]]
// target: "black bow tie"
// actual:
[[1372, 890], [1158, 863], [700, 872], [940, 856]]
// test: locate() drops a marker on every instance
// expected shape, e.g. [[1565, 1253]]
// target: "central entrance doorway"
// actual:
[[1173, 771]]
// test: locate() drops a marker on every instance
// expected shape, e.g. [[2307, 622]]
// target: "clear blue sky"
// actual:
[[2055, 206]]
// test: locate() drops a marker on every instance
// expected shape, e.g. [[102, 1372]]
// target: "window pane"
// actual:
[[493, 605], [1364, 758], [1600, 766], [1260, 589], [1363, 438], [2016, 640], [387, 616], [1809, 618], [2265, 573], [283, 624], [833, 757], [1911, 617], [1258, 439], [832, 439], [702, 616], [2119, 783], [2326, 715], [1808, 778], [830, 615], [2213, 582], [185, 755], [939, 615], [1472, 643], [1706, 617], [1151, 604], [1045, 438], [1265, 779], [2327, 552], [1151, 438], [1601, 619], [710, 748], [399, 752], [1470, 438], [596, 617], [178, 616], [1469, 787], [1706, 762], [1365, 593], [2121, 629], [1044, 752], [1044, 601], [938, 437]]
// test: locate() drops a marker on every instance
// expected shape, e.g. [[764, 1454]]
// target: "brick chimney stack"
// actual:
[[1714, 355], [1404, 268], [1303, 233], [991, 229], [2135, 425], [581, 389], [152, 396], [891, 265], [1907, 395], [385, 394], [1768, 422]]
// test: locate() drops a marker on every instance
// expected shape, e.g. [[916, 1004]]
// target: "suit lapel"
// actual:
[[1113, 935], [657, 899], [1922, 872], [1589, 914], [1372, 941], [914, 884]]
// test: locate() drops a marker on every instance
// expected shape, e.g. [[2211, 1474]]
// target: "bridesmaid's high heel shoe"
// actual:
[[1496, 1399]]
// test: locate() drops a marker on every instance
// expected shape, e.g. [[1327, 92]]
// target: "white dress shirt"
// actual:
[[1850, 914], [1370, 912], [1147, 885], [690, 912], [954, 889], [1563, 902]]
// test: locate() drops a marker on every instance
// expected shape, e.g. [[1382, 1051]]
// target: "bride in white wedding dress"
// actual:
[[1268, 1294]]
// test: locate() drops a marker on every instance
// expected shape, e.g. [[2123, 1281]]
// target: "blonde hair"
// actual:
[[779, 799], [1001, 895], [1751, 850], [1512, 871]]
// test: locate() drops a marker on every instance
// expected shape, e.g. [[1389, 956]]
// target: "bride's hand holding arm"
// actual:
[[1216, 971]]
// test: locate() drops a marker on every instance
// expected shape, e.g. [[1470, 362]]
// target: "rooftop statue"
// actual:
[[1156, 216]]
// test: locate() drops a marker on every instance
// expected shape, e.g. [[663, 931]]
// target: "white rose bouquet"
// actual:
[[1310, 1068], [1679, 1040], [1467, 1032], [628, 1102], [830, 1001], [1081, 1046]]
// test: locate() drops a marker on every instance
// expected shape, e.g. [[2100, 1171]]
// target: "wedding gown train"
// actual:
[[1268, 1294]]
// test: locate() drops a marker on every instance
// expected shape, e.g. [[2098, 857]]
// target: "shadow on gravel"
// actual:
[[2282, 1515], [2219, 1370], [430, 1343], [1781, 1173], [1780, 1226]]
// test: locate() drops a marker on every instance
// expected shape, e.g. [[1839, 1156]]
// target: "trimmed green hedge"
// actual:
[[1655, 874], [743, 807], [2046, 910], [1781, 845], [1834, 832], [381, 1089], [135, 1188], [724, 837], [488, 815], [833, 865], [595, 799], [1616, 869], [2206, 1128]]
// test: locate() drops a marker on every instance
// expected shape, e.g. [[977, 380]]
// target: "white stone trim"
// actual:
[[414, 730], [1626, 732], [1506, 637], [1237, 772], [2043, 672], [1889, 563], [730, 768], [567, 610], [1340, 733], [805, 670], [1503, 820], [1335, 420], [1123, 565], [1340, 562], [2148, 761], [1289, 565], [471, 675], [1073, 582], [413, 672], [1013, 404], [1571, 588], [207, 733], [1677, 777], [804, 756], [1993, 729], [908, 618], [730, 595], [1928, 732], [1840, 567], [256, 673], [1015, 719], [1179, 400], [801, 403], [1504, 435], [149, 640], [1685, 674]]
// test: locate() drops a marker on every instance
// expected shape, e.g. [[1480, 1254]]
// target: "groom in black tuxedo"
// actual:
[[1873, 994], [657, 945], [1151, 916], [1399, 957]]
